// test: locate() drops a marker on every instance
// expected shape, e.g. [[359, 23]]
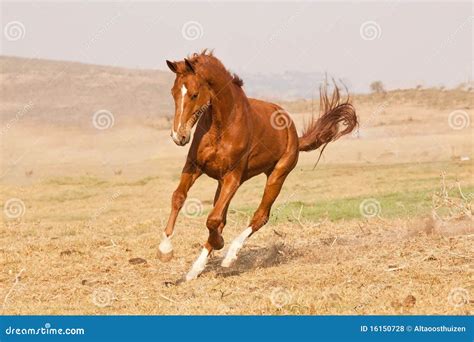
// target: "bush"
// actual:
[[377, 87]]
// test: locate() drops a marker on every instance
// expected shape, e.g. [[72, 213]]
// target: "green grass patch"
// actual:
[[389, 205]]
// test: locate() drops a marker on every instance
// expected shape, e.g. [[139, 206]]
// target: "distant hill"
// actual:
[[70, 93]]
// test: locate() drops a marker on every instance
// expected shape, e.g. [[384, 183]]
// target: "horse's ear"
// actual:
[[189, 66], [172, 66]]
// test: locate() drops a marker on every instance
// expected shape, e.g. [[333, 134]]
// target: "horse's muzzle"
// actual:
[[180, 139]]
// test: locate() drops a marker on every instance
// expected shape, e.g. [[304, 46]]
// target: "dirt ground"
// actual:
[[383, 225]]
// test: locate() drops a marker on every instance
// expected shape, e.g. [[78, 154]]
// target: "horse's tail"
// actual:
[[333, 113]]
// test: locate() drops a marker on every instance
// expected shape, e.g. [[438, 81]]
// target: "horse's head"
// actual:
[[192, 97]]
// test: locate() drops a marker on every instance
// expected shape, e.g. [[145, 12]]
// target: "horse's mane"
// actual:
[[206, 60]]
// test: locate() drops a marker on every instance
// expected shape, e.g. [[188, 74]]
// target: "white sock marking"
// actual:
[[235, 246], [165, 245], [198, 265]]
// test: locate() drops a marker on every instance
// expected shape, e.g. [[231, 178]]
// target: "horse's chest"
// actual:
[[211, 160], [207, 154]]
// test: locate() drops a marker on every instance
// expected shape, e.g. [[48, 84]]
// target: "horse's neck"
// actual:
[[224, 106], [220, 116]]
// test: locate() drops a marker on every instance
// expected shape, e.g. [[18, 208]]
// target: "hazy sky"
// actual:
[[403, 44]]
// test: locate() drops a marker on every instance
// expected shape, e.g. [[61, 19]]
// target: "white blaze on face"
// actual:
[[184, 91]]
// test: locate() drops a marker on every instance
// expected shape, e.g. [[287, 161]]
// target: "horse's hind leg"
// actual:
[[273, 187]]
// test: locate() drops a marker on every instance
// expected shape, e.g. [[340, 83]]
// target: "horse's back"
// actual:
[[274, 135], [273, 119]]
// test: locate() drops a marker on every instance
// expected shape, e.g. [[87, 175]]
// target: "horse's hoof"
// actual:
[[227, 262], [217, 242], [165, 257]]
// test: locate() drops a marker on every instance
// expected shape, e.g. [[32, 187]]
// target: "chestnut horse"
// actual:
[[237, 138]]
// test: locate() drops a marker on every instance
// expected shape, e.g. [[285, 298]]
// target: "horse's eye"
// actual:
[[193, 97]]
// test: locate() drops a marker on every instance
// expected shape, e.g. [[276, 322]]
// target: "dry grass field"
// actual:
[[383, 225]]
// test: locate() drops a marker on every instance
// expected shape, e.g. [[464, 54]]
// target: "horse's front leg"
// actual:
[[216, 221], [188, 177]]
